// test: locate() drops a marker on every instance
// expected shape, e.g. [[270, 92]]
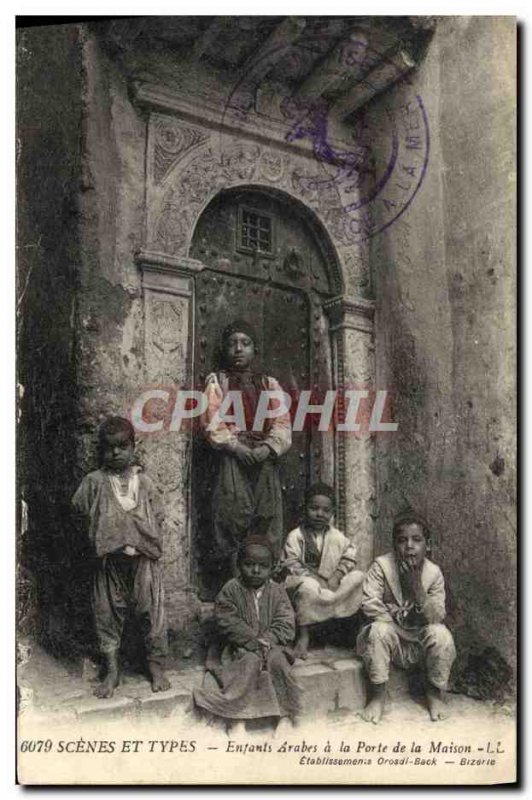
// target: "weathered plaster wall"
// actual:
[[48, 169], [114, 367], [445, 292], [112, 203]]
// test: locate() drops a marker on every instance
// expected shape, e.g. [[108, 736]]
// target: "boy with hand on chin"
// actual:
[[123, 511], [404, 603]]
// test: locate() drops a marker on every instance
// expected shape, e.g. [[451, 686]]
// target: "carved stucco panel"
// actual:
[[172, 141], [360, 494], [167, 454], [195, 180], [166, 338], [167, 462], [359, 355], [358, 447]]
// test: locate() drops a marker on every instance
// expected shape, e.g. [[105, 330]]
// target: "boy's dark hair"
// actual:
[[254, 541], [407, 516], [113, 425], [320, 488]]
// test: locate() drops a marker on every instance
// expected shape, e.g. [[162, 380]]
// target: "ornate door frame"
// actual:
[[185, 170]]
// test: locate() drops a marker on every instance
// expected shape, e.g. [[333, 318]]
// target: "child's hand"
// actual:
[[244, 454], [400, 613], [410, 572], [261, 453], [334, 581]]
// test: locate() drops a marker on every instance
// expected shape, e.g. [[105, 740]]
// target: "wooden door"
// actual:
[[272, 291]]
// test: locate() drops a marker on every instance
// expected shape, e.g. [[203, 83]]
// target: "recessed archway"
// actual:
[[267, 259]]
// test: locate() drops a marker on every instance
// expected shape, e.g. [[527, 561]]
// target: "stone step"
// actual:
[[332, 681], [331, 685]]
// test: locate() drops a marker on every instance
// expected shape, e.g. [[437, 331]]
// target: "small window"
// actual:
[[255, 232]]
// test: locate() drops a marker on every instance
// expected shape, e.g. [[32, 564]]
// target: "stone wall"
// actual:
[[49, 114], [445, 295]]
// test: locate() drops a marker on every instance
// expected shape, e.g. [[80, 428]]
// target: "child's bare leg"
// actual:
[[375, 706], [159, 681], [111, 680], [302, 642], [439, 656], [436, 702]]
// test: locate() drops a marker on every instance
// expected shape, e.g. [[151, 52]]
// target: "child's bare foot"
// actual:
[[237, 727], [302, 643], [159, 681], [283, 728], [106, 688], [375, 707], [436, 703]]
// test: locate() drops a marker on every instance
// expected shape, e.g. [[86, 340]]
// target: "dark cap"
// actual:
[[255, 541], [239, 326]]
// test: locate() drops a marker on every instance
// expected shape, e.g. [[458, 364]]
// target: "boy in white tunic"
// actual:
[[404, 602], [322, 582]]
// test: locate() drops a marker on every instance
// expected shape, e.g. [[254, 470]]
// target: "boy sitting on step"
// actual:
[[404, 602], [252, 676], [322, 580]]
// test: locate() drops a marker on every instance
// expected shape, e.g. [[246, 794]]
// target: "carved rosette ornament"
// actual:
[[172, 141]]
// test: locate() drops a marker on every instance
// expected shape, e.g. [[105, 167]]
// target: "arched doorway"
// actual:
[[264, 260]]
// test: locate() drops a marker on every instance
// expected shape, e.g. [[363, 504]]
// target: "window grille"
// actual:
[[256, 232]]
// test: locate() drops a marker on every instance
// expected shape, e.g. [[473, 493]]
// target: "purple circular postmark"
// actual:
[[372, 192]]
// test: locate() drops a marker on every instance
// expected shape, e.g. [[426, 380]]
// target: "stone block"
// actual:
[[351, 683], [189, 678], [328, 655], [319, 688]]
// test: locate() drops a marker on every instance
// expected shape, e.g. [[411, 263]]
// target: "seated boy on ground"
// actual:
[[404, 603]]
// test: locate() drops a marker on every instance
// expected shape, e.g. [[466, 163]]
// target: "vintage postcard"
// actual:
[[266, 320]]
